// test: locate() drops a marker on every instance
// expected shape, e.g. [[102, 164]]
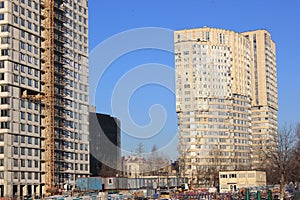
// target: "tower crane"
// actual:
[[53, 50]]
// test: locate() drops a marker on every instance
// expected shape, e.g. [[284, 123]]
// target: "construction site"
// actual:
[[45, 126]]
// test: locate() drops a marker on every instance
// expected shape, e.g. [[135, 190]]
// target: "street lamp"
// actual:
[[117, 182]]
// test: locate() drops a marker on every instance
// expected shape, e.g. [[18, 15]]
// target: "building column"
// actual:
[[8, 190], [19, 191], [37, 190]]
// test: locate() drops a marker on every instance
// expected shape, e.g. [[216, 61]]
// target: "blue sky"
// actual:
[[107, 18]]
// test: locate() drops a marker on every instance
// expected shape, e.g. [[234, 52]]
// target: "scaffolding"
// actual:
[[52, 97], [49, 99]]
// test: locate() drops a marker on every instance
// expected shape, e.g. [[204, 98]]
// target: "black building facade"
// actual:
[[105, 142]]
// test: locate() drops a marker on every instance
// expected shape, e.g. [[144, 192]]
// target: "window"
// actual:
[[29, 174], [30, 128], [1, 162], [1, 16], [1, 150], [4, 113], [4, 28], [5, 125], [36, 106], [23, 68], [16, 138], [22, 151], [16, 19], [22, 139], [36, 153], [29, 59], [36, 50], [36, 118], [5, 40], [1, 4], [22, 11], [1, 137], [4, 88], [22, 163], [22, 79], [29, 142], [23, 34], [36, 84], [22, 115], [29, 82], [36, 176], [29, 25], [22, 127], [22, 22], [22, 175], [22, 103], [22, 56], [232, 175], [36, 61], [2, 76], [36, 6], [4, 52], [29, 105], [16, 150], [16, 175], [29, 47], [4, 100], [15, 162], [16, 8], [36, 129]]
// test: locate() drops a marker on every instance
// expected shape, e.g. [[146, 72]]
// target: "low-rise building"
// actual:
[[233, 180], [133, 166]]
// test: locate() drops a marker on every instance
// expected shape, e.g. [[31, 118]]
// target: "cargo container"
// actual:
[[95, 183], [89, 184], [119, 183]]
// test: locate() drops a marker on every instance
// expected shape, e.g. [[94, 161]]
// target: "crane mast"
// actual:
[[49, 98], [52, 99]]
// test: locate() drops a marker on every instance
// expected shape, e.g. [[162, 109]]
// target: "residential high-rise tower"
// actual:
[[34, 48], [264, 95], [214, 100]]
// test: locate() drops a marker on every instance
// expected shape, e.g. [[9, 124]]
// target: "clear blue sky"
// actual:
[[110, 17]]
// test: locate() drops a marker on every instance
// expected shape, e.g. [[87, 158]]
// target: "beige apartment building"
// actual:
[[214, 99], [22, 71]]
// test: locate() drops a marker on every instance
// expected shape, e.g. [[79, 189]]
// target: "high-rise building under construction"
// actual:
[[226, 99], [44, 95]]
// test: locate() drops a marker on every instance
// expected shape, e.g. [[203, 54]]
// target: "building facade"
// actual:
[[230, 181], [264, 104], [105, 145], [23, 67], [214, 100], [134, 166]]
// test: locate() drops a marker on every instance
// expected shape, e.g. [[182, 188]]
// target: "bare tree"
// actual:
[[280, 158], [140, 150], [155, 161], [295, 174]]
